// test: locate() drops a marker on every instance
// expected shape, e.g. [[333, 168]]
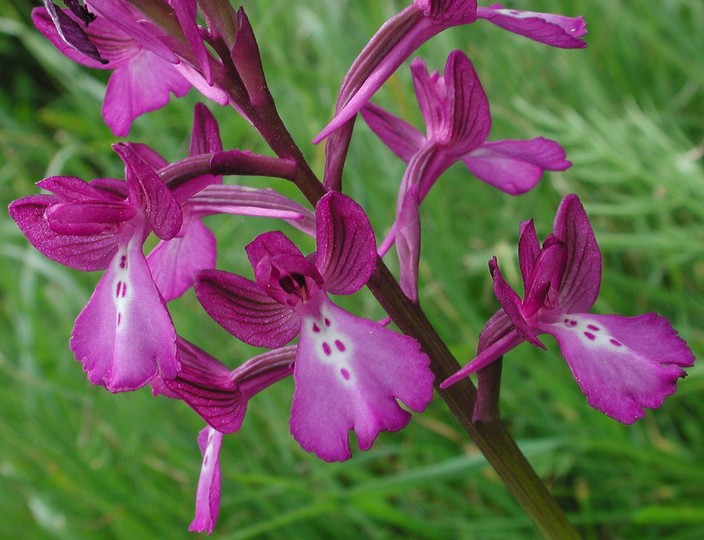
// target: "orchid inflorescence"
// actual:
[[350, 373]]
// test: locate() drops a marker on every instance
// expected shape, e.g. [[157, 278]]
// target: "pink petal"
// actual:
[[582, 278], [512, 305], [209, 482], [186, 11], [124, 335], [408, 241], [149, 192], [403, 139], [72, 189], [528, 251], [205, 139], [88, 218], [243, 309], [70, 31], [249, 201], [346, 254], [622, 364], [349, 374], [174, 263], [81, 54], [553, 30], [516, 166], [86, 253], [454, 105], [140, 86], [148, 155]]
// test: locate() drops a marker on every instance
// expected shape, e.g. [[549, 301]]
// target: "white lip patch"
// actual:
[[591, 333], [332, 347]]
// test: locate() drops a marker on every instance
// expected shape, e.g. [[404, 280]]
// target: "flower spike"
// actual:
[[622, 364]]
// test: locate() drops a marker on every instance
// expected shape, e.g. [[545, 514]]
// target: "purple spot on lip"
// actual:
[[121, 290], [326, 348], [340, 346], [615, 342], [592, 327], [345, 374], [570, 322], [123, 261], [316, 328], [590, 336], [327, 322]]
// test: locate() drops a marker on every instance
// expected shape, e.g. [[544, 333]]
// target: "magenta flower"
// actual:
[[124, 335], [457, 117], [622, 364], [349, 372], [144, 70], [399, 37]]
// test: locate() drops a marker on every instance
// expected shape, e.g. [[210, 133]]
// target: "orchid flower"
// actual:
[[124, 335], [622, 364], [102, 225], [457, 117], [399, 37], [144, 69], [349, 373]]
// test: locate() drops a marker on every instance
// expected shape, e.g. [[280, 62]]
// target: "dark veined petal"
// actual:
[[72, 189], [86, 253], [346, 248], [350, 374], [268, 245], [149, 192], [622, 364], [243, 309], [88, 218], [528, 251], [217, 393], [52, 21], [582, 277], [512, 305]]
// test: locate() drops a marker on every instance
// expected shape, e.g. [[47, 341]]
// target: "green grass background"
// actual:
[[77, 462]]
